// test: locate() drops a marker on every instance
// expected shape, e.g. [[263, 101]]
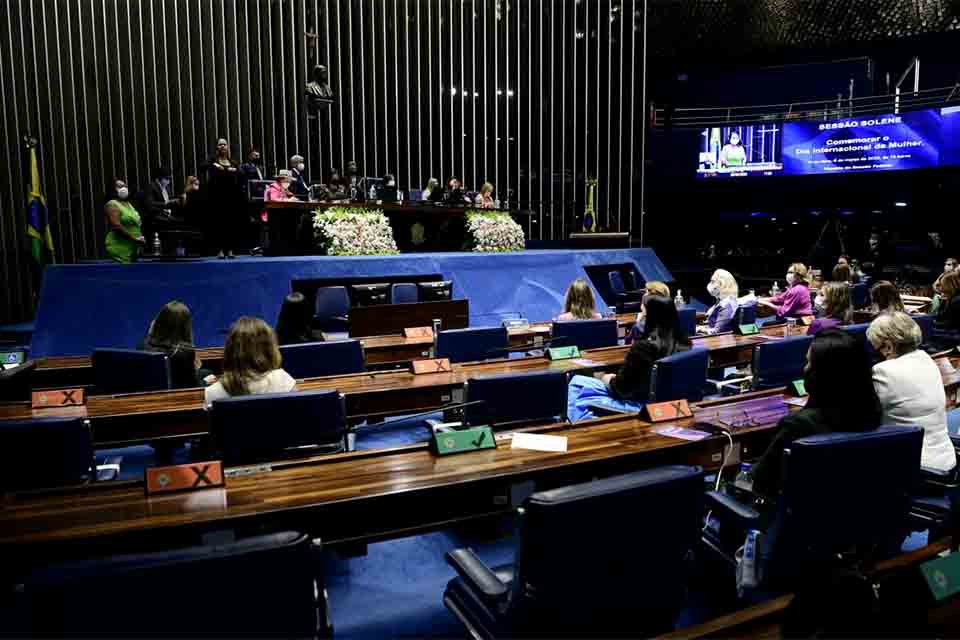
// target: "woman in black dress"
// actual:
[[228, 215]]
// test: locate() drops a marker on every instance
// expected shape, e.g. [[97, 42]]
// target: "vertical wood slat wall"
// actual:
[[531, 95]]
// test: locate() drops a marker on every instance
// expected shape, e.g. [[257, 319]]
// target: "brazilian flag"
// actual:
[[38, 224]]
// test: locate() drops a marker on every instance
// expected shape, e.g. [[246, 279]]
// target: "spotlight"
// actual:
[[899, 203]]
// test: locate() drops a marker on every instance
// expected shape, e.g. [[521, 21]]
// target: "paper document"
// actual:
[[680, 432], [539, 442]]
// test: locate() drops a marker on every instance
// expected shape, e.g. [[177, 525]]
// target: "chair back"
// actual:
[[130, 371], [925, 321], [45, 452], [681, 376], [332, 303], [17, 383], [539, 396], [841, 492], [616, 282], [581, 553], [779, 362], [269, 426], [467, 345], [633, 281], [312, 359], [256, 586], [746, 314], [402, 292], [586, 334], [859, 295], [688, 320]]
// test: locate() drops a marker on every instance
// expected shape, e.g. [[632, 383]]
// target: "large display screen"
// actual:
[[911, 140]]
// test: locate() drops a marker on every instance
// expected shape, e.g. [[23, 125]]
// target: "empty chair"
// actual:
[[16, 382], [633, 281], [586, 334], [466, 345], [270, 426], [313, 359], [403, 292], [859, 295], [779, 362], [332, 307], [622, 294], [681, 376], [585, 565], [832, 478], [255, 586], [925, 321], [130, 371], [688, 320], [46, 452], [517, 398]]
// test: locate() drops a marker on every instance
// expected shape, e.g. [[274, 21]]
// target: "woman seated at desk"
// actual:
[[795, 301], [834, 299], [171, 332], [910, 387], [293, 322], [886, 297], [722, 315], [251, 363], [652, 288], [948, 315], [629, 388], [579, 303]]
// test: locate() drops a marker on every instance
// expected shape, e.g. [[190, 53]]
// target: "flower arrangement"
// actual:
[[494, 232], [346, 231]]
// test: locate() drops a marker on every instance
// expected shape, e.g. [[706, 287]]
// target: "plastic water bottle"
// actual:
[[775, 290], [678, 301], [373, 193], [436, 334], [157, 249], [744, 479]]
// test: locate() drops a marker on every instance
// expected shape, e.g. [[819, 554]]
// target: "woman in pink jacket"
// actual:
[[795, 301]]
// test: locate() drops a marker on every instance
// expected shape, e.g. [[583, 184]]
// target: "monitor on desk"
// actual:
[[12, 358], [368, 295], [434, 291]]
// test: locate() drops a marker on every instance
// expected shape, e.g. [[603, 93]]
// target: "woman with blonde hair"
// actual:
[[579, 303], [722, 315], [251, 363], [795, 301], [485, 197], [834, 299]]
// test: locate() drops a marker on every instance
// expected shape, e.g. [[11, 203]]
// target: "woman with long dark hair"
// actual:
[[171, 332], [839, 381], [629, 388], [293, 323]]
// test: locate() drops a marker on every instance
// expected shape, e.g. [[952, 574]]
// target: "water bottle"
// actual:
[[775, 290], [157, 249], [749, 566], [373, 192], [744, 479], [436, 334], [678, 301]]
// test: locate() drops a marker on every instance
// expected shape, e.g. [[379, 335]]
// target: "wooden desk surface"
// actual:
[[330, 484]]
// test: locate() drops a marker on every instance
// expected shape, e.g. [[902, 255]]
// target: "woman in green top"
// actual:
[[124, 239], [733, 154]]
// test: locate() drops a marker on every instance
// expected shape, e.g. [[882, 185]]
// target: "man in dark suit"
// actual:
[[298, 186], [159, 200]]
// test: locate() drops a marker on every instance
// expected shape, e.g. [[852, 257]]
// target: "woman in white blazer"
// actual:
[[910, 387]]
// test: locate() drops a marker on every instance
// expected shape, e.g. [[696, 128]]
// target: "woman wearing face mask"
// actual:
[[834, 300], [841, 398], [795, 301], [910, 387], [721, 316], [278, 190], [124, 240], [733, 154], [225, 199]]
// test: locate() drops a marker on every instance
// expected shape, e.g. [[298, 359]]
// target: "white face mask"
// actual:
[[123, 192], [791, 278], [818, 302], [301, 167], [713, 289]]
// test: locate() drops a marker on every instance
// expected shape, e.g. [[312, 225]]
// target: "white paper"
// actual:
[[539, 442]]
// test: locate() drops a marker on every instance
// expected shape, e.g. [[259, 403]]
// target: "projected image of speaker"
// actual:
[[368, 295], [434, 291]]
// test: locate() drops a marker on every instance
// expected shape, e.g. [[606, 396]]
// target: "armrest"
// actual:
[[601, 409], [722, 504], [471, 568], [937, 479]]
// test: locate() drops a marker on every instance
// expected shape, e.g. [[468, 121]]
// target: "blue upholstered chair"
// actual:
[[746, 314], [130, 371], [626, 577], [468, 345], [509, 399], [841, 493], [332, 308], [859, 295], [688, 320], [681, 376], [402, 292], [936, 507], [258, 428], [312, 359], [586, 334], [859, 330], [47, 452], [254, 586], [779, 362], [925, 321]]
